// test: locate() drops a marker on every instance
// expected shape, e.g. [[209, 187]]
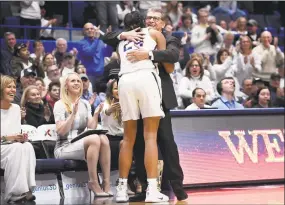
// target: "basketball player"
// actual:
[[140, 93]]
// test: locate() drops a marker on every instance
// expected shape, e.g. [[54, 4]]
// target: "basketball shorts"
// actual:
[[140, 93]]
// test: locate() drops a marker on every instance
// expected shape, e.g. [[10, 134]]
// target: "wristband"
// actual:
[[150, 55]]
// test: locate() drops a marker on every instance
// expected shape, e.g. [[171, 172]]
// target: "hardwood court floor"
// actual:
[[271, 195]]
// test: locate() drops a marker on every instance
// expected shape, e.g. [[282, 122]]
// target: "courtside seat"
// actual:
[[44, 166], [75, 165], [50, 166]]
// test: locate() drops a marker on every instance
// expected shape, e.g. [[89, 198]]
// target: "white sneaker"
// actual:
[[155, 197], [122, 193]]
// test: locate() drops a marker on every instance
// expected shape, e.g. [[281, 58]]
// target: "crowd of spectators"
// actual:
[[239, 49], [231, 65]]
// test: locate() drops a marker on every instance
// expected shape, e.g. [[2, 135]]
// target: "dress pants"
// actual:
[[19, 162], [167, 146], [34, 33]]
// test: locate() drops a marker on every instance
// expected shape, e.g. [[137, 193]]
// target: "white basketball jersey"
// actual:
[[126, 46]]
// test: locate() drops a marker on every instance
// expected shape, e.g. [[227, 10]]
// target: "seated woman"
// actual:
[[41, 87], [195, 78], [111, 118], [262, 98], [72, 117], [37, 113], [111, 115], [17, 156]]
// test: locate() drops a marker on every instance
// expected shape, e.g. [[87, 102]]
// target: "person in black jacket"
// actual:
[[172, 169], [37, 113]]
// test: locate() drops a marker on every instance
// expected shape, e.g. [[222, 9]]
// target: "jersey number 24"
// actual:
[[131, 45]]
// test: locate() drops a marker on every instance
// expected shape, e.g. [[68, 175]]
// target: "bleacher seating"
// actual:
[[50, 46], [12, 20], [281, 33], [226, 17], [77, 10], [273, 21], [272, 30], [259, 18]]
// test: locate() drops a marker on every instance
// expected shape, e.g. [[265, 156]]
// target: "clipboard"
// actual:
[[87, 133]]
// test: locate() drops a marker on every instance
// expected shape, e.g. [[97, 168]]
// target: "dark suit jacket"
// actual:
[[170, 55], [6, 56]]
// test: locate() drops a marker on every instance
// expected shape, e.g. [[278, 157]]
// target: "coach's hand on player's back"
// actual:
[[134, 35]]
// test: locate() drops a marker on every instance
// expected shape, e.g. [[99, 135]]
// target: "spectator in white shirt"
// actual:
[[281, 73], [195, 78], [47, 61], [200, 39], [17, 155], [241, 27], [271, 57], [228, 43], [68, 64], [111, 114], [30, 15], [47, 34], [199, 100], [246, 89], [245, 62], [224, 24], [174, 12], [188, 11], [187, 23], [123, 8], [53, 75], [39, 51], [207, 65], [213, 21], [223, 64], [176, 77]]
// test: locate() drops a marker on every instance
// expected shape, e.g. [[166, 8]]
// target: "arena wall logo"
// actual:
[[272, 139]]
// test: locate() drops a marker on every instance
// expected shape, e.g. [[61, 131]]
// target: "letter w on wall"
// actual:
[[242, 146]]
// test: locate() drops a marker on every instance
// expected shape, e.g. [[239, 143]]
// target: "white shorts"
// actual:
[[140, 93]]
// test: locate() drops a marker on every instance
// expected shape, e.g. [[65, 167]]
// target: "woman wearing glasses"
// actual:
[[140, 94]]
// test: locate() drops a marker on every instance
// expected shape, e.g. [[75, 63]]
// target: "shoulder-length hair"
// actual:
[[256, 97], [220, 53], [64, 92], [5, 81], [25, 94], [109, 98], [189, 63], [240, 40]]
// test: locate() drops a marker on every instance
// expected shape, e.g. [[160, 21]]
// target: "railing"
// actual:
[[39, 27]]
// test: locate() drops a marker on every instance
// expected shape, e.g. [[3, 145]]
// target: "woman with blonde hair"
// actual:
[[17, 156], [72, 117], [37, 113], [245, 62]]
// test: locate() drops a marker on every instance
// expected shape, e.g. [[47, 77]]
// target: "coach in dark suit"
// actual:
[[172, 169]]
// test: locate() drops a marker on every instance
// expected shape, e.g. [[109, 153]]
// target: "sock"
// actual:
[[152, 183], [123, 181]]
